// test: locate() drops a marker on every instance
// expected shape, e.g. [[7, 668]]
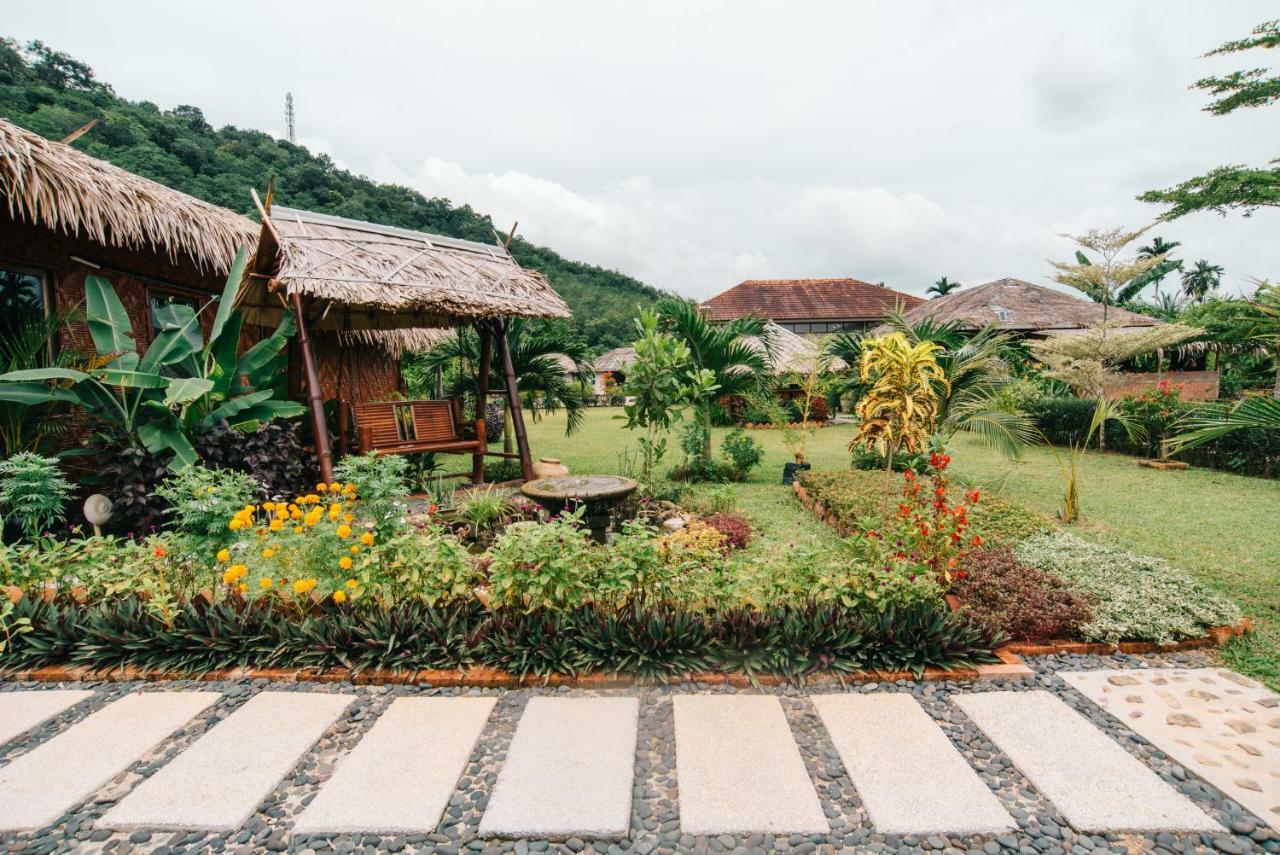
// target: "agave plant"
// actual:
[[181, 384]]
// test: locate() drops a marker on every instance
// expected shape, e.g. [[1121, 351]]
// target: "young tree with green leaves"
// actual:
[[722, 349], [1202, 278], [662, 383], [1236, 187]]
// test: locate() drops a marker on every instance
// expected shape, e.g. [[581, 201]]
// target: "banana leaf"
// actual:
[[184, 390], [30, 394], [226, 303], [179, 337], [109, 324], [38, 374], [159, 437], [132, 379], [260, 355]]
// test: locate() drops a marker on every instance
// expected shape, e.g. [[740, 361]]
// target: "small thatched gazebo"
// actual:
[[389, 285]]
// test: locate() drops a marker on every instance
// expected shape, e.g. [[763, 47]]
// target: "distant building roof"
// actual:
[[790, 353], [806, 300], [618, 359], [1013, 304]]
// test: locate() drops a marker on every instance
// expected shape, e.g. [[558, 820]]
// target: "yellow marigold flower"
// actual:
[[244, 589], [367, 538], [333, 513], [268, 506], [267, 553], [355, 548], [339, 597], [348, 518], [282, 512], [235, 524], [322, 487], [224, 554], [295, 514], [349, 488], [303, 586], [264, 583], [228, 578], [334, 487], [345, 562], [211, 489], [351, 583], [262, 532], [312, 517], [297, 529], [276, 525], [344, 531]]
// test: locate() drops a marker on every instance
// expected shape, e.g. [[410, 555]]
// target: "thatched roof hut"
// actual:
[[1012, 304], [790, 353], [374, 277], [54, 186], [618, 359]]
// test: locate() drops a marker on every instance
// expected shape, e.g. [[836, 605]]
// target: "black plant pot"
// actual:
[[789, 471]]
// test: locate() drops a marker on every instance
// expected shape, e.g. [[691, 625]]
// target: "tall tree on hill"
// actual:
[[1236, 187]]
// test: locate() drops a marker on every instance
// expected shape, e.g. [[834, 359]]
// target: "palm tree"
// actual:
[[536, 348], [976, 372], [1160, 246], [942, 287], [1201, 279], [722, 349]]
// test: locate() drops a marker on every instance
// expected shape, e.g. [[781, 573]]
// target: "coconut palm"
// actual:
[[1160, 247], [1201, 279], [539, 352], [942, 287], [736, 366]]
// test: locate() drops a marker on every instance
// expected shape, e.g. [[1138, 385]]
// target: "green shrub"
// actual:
[[427, 565], [547, 566], [499, 471], [1135, 597], [742, 452], [381, 484], [33, 492], [200, 501]]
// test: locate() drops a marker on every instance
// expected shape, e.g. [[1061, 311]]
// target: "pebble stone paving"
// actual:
[[655, 828]]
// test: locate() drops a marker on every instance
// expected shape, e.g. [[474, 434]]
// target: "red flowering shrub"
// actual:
[[1025, 603], [928, 530], [736, 530]]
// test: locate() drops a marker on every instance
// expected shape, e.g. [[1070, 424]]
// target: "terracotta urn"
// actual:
[[549, 467]]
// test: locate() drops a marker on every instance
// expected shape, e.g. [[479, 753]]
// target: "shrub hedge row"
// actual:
[[866, 497], [1245, 452], [639, 641]]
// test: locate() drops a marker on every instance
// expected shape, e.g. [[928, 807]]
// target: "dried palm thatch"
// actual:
[[367, 278], [790, 353], [1013, 304], [618, 359], [49, 184]]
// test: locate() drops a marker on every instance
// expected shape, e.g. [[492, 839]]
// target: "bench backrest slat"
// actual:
[[392, 424]]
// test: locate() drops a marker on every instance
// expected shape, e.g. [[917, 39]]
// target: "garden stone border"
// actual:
[[1216, 636]]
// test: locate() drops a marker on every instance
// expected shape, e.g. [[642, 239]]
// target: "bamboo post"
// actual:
[[313, 392], [513, 403], [482, 396]]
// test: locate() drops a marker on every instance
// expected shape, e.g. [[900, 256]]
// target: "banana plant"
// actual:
[[180, 386]]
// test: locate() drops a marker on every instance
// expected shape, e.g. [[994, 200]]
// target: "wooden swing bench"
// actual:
[[411, 427]]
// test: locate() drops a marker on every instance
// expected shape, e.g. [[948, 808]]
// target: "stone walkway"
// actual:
[[902, 766]]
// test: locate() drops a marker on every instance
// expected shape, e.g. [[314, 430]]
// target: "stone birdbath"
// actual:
[[599, 494]]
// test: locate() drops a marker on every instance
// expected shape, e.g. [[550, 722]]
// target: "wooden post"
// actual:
[[482, 396], [513, 403], [313, 392]]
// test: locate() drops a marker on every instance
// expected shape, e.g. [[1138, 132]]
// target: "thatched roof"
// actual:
[[1013, 304], [49, 184], [618, 359], [374, 277], [791, 353]]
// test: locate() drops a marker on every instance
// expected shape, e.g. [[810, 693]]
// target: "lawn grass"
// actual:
[[1224, 529]]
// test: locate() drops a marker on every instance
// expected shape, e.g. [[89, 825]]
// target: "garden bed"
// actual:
[[1049, 590]]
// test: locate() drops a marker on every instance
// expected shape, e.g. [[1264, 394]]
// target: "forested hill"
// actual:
[[53, 94]]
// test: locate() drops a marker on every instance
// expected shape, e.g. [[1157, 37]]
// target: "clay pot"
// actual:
[[549, 467]]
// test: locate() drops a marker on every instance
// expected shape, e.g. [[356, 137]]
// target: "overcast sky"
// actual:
[[693, 145]]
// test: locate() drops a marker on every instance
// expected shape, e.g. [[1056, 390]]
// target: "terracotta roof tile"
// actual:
[[806, 299]]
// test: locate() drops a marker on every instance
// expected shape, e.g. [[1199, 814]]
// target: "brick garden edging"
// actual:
[[1011, 667], [1217, 635]]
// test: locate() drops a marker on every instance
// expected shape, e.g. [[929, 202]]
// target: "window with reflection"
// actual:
[[22, 300]]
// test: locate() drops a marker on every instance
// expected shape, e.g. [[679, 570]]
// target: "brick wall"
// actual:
[[1192, 385]]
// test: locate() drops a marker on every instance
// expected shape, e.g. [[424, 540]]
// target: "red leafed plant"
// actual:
[[1023, 602], [736, 530], [929, 530]]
